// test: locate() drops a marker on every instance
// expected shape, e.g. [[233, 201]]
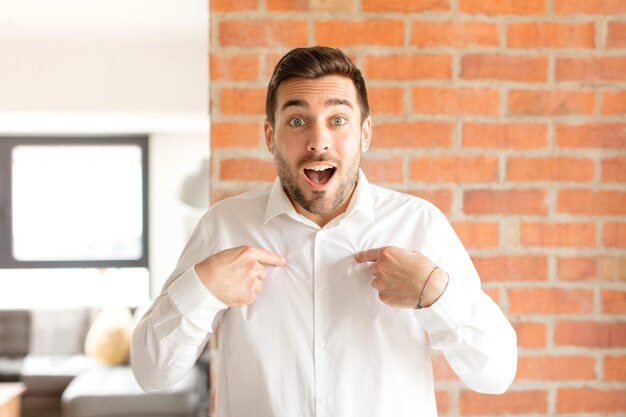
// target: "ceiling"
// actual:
[[144, 20]]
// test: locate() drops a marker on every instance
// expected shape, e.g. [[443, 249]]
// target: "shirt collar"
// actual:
[[278, 202]]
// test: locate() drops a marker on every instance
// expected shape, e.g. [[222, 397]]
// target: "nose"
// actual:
[[319, 139]]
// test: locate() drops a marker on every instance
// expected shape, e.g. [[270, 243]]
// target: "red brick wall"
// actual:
[[507, 114]]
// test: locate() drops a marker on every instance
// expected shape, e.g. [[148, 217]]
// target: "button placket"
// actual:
[[322, 371]]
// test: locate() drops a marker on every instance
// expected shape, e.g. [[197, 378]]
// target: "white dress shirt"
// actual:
[[318, 341]]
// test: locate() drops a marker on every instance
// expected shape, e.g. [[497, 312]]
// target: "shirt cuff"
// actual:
[[448, 311], [194, 300]]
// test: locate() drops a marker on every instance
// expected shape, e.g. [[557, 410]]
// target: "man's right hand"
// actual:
[[235, 276]]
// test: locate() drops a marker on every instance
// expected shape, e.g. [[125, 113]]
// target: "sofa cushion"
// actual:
[[14, 332], [115, 392], [51, 374], [10, 368], [108, 338], [58, 331]]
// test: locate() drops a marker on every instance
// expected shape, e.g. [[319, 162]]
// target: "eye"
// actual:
[[296, 122], [338, 121]]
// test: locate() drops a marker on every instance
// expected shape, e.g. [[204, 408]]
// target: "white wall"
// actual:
[[120, 66], [98, 75]]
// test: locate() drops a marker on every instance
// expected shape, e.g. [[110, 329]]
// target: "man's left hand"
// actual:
[[400, 275]]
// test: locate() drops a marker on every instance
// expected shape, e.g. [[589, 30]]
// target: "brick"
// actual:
[[271, 59], [558, 168], [616, 36], [309, 6], [504, 67], [242, 101], [576, 268], [455, 101], [613, 301], [408, 67], [615, 368], [383, 169], [454, 168], [550, 35], [511, 402], [262, 33], [591, 202], [478, 235], [611, 268], [558, 234], [592, 400], [599, 268], [425, 33], [591, 69], [512, 267], [494, 294], [234, 67], [444, 402], [247, 169], [503, 7], [386, 100], [614, 169], [511, 201], [531, 334], [442, 197], [591, 268], [550, 102], [613, 102], [504, 135], [232, 5], [427, 134], [235, 135], [556, 368], [550, 301], [405, 6], [590, 334], [376, 32], [614, 234], [591, 135], [441, 369], [589, 7]]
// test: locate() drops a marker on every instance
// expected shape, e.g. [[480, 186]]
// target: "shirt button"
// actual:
[[321, 287], [323, 344]]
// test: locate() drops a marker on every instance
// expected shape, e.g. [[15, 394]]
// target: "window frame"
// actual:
[[7, 143]]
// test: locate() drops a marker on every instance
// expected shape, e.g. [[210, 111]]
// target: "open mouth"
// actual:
[[320, 174]]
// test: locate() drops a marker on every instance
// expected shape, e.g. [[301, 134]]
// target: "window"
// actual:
[[78, 202]]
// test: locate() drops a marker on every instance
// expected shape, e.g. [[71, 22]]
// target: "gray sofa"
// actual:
[[45, 350]]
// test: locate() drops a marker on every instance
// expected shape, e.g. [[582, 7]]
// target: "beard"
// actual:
[[322, 202]]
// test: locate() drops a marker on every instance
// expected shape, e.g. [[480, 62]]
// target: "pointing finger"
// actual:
[[268, 258], [370, 255]]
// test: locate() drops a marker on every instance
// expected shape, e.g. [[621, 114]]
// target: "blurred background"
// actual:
[[96, 74]]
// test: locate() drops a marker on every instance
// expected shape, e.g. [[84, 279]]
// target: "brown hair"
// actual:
[[314, 62]]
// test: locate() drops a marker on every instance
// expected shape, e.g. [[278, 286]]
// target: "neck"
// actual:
[[323, 219]]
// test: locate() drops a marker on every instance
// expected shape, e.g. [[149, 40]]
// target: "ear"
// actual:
[[269, 136], [366, 134]]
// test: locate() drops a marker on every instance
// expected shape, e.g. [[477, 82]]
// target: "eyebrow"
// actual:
[[328, 103]]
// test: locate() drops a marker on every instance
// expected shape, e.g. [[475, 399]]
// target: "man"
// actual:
[[327, 293]]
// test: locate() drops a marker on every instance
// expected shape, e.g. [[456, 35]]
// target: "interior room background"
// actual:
[[510, 117], [89, 68]]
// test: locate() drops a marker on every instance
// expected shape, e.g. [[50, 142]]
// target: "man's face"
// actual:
[[317, 140]]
